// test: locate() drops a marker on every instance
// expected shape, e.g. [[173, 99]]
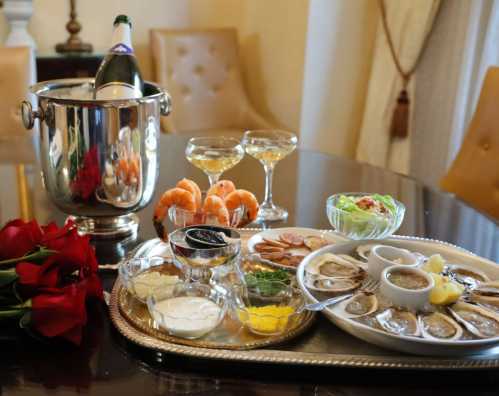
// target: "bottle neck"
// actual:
[[121, 42]]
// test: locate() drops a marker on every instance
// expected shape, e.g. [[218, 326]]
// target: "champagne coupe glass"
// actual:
[[269, 146], [214, 155]]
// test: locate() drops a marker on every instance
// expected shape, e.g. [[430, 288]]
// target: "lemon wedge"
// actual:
[[435, 264], [446, 293]]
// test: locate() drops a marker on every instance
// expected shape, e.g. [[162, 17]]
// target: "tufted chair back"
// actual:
[[201, 71], [474, 174], [15, 74]]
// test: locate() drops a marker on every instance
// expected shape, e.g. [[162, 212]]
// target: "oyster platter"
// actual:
[[212, 290], [443, 302]]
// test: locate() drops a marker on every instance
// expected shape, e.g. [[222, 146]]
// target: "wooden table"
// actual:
[[109, 364]]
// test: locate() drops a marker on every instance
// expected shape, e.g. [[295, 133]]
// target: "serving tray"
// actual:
[[323, 344], [228, 335]]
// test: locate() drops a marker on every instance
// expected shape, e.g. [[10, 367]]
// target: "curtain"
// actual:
[[337, 63], [409, 22]]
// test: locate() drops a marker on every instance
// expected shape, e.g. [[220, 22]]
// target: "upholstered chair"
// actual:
[[474, 174], [15, 74], [202, 72]]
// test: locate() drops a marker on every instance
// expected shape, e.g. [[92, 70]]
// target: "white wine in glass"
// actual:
[[269, 146], [214, 155]]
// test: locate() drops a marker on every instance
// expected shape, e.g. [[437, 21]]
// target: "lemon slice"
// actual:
[[445, 294], [435, 264]]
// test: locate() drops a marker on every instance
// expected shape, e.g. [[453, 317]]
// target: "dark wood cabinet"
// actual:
[[54, 66]]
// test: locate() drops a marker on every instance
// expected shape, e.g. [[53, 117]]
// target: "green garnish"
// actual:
[[268, 283]]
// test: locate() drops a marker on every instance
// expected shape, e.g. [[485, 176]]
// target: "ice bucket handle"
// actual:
[[28, 115], [165, 103]]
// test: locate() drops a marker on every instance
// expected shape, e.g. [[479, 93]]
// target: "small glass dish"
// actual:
[[132, 271], [271, 308], [190, 311], [360, 226], [182, 218], [199, 263]]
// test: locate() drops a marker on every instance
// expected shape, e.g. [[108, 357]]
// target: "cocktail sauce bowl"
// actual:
[[415, 299], [360, 226], [383, 256], [99, 158]]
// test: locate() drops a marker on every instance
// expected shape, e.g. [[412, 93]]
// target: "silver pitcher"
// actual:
[[99, 158]]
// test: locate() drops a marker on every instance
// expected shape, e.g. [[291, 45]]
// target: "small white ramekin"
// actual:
[[383, 256], [408, 298]]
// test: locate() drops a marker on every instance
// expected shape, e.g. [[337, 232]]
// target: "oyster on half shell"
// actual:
[[437, 326], [364, 251], [486, 295], [466, 275], [482, 322], [332, 265], [360, 304], [399, 322], [353, 260], [333, 285]]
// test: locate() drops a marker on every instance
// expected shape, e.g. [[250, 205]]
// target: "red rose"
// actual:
[[56, 238], [18, 238], [88, 177], [60, 312], [56, 271]]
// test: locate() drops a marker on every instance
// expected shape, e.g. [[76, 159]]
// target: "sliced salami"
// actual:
[[292, 239]]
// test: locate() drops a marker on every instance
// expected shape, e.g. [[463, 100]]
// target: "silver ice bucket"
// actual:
[[99, 158]]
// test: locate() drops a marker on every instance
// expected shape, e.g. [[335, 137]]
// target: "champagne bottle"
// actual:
[[119, 76]]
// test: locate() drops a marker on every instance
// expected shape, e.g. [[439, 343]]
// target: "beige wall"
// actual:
[[272, 36]]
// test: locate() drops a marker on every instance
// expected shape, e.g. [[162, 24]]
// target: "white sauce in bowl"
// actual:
[[187, 317]]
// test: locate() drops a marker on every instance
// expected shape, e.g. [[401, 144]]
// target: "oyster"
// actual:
[[486, 295], [333, 285], [479, 321], [353, 260], [399, 322], [437, 326], [364, 250], [360, 304], [467, 275], [331, 265], [489, 289]]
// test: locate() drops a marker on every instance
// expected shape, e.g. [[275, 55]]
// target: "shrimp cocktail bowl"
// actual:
[[223, 205], [99, 157]]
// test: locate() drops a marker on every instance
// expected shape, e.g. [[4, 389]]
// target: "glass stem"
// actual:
[[213, 178], [269, 173]]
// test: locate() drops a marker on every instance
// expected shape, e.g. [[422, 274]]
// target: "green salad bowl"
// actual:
[[360, 224]]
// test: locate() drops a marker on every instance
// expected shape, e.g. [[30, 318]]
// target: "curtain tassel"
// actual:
[[400, 120]]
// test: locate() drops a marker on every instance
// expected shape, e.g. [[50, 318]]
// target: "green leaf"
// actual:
[[7, 277], [40, 254]]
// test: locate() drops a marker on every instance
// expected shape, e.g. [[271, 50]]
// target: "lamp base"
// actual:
[[107, 227], [72, 47]]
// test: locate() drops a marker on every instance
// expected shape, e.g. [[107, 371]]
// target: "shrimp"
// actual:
[[221, 188], [193, 188], [215, 206], [244, 198], [176, 196]]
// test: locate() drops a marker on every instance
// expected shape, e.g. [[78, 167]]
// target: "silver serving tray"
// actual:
[[415, 345], [324, 344]]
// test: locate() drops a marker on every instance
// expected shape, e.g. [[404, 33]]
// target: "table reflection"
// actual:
[[302, 187]]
